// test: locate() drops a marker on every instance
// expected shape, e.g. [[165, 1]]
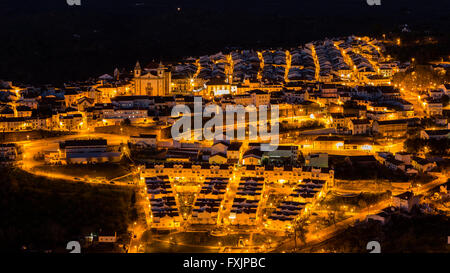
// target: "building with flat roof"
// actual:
[[86, 151]]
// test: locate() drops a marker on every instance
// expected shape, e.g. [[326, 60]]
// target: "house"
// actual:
[[188, 171], [338, 120], [259, 97], [381, 217], [71, 122], [52, 102], [308, 190], [144, 140], [282, 153], [158, 187], [390, 128], [435, 134], [329, 91], [219, 87], [358, 144], [164, 213], [30, 102], [250, 188], [422, 164], [328, 143], [125, 102], [394, 164], [7, 112], [181, 155], [359, 126], [382, 156], [234, 152], [404, 157], [205, 211], [24, 111], [219, 147], [135, 115], [441, 120], [107, 239], [71, 96], [433, 107], [298, 95], [342, 121], [244, 99], [387, 69], [282, 218], [218, 158], [9, 152], [436, 93], [15, 124], [209, 201], [405, 201], [244, 212], [252, 157], [84, 103]]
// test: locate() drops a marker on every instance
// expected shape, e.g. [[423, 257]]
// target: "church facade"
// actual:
[[152, 82]]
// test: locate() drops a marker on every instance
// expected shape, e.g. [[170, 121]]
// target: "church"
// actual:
[[152, 81]]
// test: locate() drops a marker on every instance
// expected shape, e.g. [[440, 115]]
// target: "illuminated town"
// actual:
[[349, 129]]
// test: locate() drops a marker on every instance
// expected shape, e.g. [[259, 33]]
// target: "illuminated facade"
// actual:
[[152, 82]]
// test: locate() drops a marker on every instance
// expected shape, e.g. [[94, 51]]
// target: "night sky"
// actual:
[[47, 41]]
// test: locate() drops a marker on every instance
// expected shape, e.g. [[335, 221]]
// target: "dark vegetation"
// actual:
[[360, 201], [421, 77], [357, 169], [42, 214], [433, 146], [402, 234], [303, 126]]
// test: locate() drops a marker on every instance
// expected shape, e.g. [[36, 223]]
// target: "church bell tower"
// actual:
[[137, 70]]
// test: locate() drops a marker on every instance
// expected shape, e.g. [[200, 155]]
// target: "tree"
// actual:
[[439, 146], [126, 122], [414, 145], [300, 231], [133, 198], [445, 100], [362, 204], [332, 217]]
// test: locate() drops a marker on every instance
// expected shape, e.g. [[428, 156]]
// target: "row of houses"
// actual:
[[210, 201], [163, 204], [406, 162], [187, 172], [218, 202], [302, 197], [247, 201]]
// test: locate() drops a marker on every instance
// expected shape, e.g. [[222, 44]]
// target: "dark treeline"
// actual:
[[49, 42]]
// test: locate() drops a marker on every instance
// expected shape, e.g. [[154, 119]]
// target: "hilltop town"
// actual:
[[349, 127]]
